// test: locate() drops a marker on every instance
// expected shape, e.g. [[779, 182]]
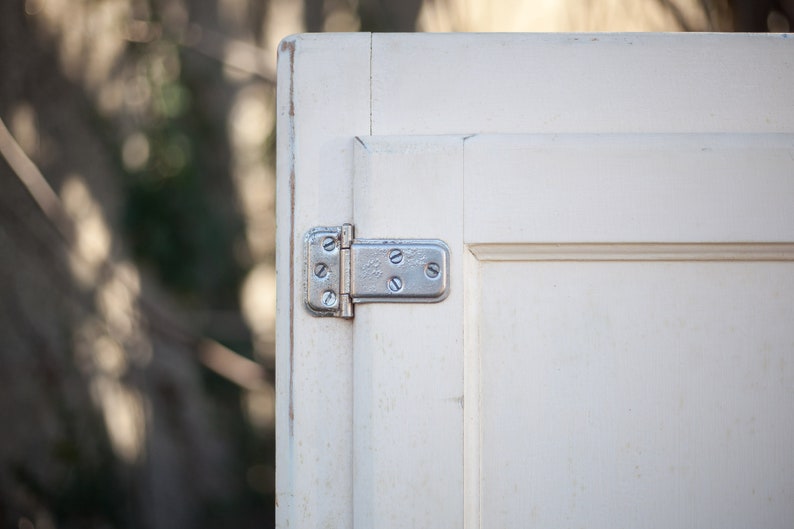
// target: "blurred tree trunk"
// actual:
[[313, 15], [753, 15], [106, 422], [388, 16]]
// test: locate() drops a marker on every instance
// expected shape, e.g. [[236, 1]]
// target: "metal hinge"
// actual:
[[342, 271]]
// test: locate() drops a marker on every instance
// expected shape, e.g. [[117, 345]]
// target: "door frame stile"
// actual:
[[323, 102]]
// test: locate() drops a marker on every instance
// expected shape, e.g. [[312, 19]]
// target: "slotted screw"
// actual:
[[432, 270], [321, 270], [396, 256], [329, 243], [329, 298], [395, 284]]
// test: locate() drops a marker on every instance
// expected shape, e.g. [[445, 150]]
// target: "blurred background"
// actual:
[[137, 238]]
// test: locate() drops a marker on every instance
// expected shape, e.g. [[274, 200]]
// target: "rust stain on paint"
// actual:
[[288, 46]]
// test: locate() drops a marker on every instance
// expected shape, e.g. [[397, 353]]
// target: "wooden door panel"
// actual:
[[636, 394], [633, 333], [407, 364], [620, 379], [648, 188]]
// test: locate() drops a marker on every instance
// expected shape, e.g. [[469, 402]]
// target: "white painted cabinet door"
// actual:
[[617, 349], [618, 346]]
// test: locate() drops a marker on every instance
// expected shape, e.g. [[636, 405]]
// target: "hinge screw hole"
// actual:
[[329, 298], [329, 243], [321, 270], [395, 284], [432, 270], [396, 256]]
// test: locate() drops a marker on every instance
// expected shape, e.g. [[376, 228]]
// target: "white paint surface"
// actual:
[[650, 394], [407, 365], [323, 101], [576, 83]]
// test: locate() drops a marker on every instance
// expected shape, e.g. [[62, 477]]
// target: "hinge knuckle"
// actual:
[[346, 235], [344, 265]]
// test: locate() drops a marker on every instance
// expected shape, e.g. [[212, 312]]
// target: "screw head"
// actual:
[[329, 298], [432, 270], [396, 256], [329, 243], [321, 270], [395, 284]]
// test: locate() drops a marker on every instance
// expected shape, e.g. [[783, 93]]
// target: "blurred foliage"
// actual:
[[171, 225], [168, 165], [129, 126]]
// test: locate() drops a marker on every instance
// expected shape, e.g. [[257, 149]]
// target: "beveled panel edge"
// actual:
[[775, 251]]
